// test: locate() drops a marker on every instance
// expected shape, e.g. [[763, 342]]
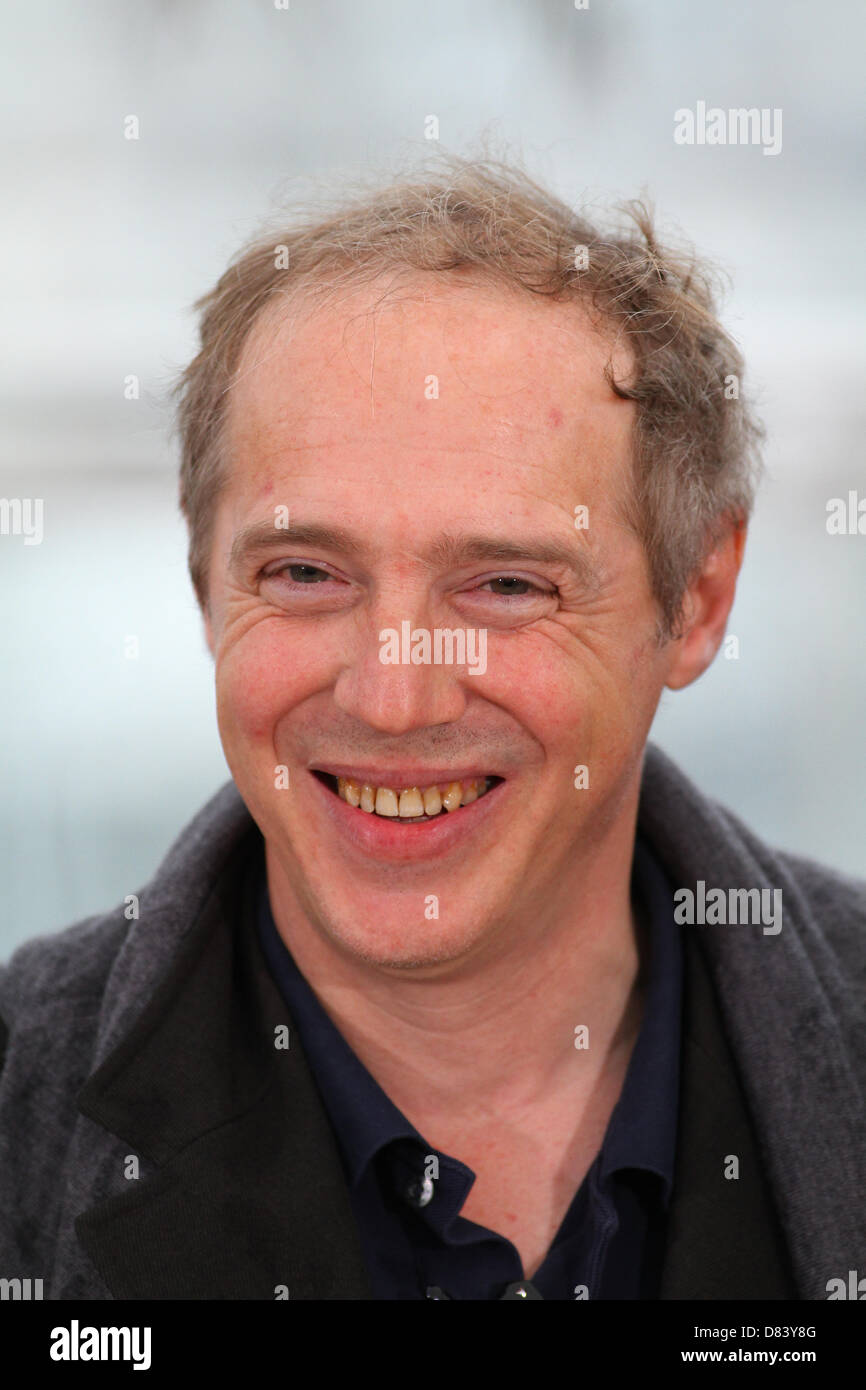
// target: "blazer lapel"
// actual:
[[724, 1239], [248, 1198]]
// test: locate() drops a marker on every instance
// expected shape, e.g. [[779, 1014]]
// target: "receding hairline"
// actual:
[[696, 457], [316, 296], [292, 311]]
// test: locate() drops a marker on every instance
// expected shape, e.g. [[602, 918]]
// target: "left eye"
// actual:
[[511, 592], [305, 574]]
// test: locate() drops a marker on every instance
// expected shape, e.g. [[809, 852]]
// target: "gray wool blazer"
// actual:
[[155, 1144]]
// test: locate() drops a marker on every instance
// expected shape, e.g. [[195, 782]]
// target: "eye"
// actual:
[[525, 588], [298, 574]]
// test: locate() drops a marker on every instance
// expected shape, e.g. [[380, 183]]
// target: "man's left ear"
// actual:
[[708, 602]]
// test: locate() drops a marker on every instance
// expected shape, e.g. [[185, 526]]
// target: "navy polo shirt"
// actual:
[[414, 1241]]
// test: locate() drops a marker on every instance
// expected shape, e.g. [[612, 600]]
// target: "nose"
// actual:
[[398, 696]]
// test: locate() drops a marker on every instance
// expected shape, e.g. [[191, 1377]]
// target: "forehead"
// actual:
[[403, 402], [468, 371]]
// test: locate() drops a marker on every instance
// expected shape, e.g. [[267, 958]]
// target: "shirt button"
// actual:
[[420, 1192], [521, 1290]]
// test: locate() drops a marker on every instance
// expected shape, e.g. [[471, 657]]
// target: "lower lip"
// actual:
[[383, 837]]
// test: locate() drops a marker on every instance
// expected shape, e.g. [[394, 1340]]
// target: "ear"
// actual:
[[707, 603]]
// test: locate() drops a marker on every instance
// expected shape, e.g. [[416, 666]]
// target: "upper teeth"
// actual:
[[411, 801]]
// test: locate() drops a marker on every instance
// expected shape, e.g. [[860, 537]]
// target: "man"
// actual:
[[459, 989]]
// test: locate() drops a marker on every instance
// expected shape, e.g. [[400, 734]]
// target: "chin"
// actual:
[[393, 945]]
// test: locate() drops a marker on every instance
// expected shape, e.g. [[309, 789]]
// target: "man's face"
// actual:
[[449, 410]]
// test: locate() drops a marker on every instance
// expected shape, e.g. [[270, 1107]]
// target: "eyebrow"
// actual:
[[446, 551]]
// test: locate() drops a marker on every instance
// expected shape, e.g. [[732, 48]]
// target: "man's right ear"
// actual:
[[208, 630]]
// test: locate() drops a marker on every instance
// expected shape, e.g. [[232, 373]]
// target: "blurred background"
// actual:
[[106, 241]]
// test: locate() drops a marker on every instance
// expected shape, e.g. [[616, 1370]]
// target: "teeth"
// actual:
[[349, 791], [386, 802], [411, 802], [432, 801]]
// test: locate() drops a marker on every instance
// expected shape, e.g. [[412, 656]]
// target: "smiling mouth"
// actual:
[[409, 805]]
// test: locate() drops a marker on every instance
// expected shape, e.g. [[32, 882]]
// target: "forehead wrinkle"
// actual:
[[287, 429], [271, 451]]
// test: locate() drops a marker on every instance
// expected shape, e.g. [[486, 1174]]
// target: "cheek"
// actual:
[[578, 700], [260, 679], [545, 688]]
